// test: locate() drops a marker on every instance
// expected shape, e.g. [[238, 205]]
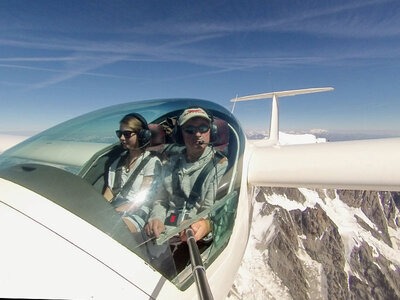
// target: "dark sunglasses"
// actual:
[[126, 133], [193, 129]]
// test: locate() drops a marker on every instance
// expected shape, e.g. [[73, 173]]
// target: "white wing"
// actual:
[[362, 165]]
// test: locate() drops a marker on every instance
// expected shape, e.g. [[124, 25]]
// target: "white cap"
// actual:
[[190, 113]]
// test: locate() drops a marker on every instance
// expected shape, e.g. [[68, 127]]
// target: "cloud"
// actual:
[[205, 42], [318, 131], [80, 67], [81, 71], [356, 19], [37, 59], [12, 84]]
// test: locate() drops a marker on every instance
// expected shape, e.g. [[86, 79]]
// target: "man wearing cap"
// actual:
[[179, 176]]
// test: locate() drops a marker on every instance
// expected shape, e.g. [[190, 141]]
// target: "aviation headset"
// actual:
[[144, 134], [177, 131]]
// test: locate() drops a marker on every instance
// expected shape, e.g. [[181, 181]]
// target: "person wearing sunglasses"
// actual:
[[131, 176], [174, 201]]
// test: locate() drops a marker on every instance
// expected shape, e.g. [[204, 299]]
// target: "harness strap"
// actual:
[[195, 193], [124, 190]]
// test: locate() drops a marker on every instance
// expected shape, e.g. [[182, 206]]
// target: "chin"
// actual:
[[200, 147]]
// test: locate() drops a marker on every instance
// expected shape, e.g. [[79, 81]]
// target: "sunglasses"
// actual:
[[193, 129], [126, 133]]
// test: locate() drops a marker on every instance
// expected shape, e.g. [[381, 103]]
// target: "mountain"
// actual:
[[256, 135], [334, 136], [321, 244]]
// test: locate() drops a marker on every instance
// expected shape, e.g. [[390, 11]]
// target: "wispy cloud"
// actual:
[[95, 74], [345, 18], [9, 83], [38, 59], [203, 42], [80, 67], [95, 55], [349, 20]]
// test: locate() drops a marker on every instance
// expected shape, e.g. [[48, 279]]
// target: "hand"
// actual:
[[154, 227], [200, 228]]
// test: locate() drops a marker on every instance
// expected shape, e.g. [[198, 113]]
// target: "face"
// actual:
[[131, 142], [196, 142]]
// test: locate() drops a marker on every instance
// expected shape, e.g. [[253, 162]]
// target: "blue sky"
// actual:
[[60, 59]]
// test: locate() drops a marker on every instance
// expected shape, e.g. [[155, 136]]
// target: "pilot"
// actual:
[[175, 201], [131, 176]]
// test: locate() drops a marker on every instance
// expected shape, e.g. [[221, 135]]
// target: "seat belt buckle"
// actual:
[[172, 219]]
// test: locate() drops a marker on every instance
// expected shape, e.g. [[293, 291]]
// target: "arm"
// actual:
[[131, 206], [203, 227], [155, 225], [139, 210], [146, 183], [108, 194], [210, 187], [140, 190]]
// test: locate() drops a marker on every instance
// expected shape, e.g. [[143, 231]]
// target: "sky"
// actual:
[[61, 59]]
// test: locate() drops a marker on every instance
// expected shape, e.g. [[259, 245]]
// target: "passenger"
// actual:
[[175, 201], [131, 176]]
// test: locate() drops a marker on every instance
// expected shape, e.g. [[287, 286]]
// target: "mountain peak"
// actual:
[[322, 244]]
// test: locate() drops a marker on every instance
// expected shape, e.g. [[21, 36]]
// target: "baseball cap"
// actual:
[[190, 113]]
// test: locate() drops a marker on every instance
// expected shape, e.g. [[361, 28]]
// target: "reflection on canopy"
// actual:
[[83, 148]]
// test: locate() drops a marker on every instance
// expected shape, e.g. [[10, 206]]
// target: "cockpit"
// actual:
[[68, 164]]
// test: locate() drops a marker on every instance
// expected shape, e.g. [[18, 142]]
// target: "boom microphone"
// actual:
[[203, 142]]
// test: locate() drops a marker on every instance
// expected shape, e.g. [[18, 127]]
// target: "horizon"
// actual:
[[11, 137], [59, 60]]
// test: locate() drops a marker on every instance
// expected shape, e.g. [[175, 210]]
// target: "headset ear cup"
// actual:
[[144, 137], [213, 133]]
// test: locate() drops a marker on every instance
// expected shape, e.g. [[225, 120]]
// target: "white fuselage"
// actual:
[[48, 252]]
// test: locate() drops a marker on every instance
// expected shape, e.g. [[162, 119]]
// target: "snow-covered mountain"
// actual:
[[286, 138], [321, 244], [289, 139]]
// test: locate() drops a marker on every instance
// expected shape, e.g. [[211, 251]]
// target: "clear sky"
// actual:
[[60, 59]]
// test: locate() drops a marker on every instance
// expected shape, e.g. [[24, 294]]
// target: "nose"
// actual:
[[198, 134]]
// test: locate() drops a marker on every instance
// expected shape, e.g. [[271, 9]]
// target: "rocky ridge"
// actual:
[[322, 244]]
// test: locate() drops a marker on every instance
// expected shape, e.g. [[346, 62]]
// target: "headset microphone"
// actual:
[[140, 147], [203, 142], [144, 146]]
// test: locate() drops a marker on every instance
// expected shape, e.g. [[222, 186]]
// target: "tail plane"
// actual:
[[274, 124]]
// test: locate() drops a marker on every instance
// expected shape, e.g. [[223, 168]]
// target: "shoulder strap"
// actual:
[[118, 175], [175, 180], [195, 194], [128, 184]]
